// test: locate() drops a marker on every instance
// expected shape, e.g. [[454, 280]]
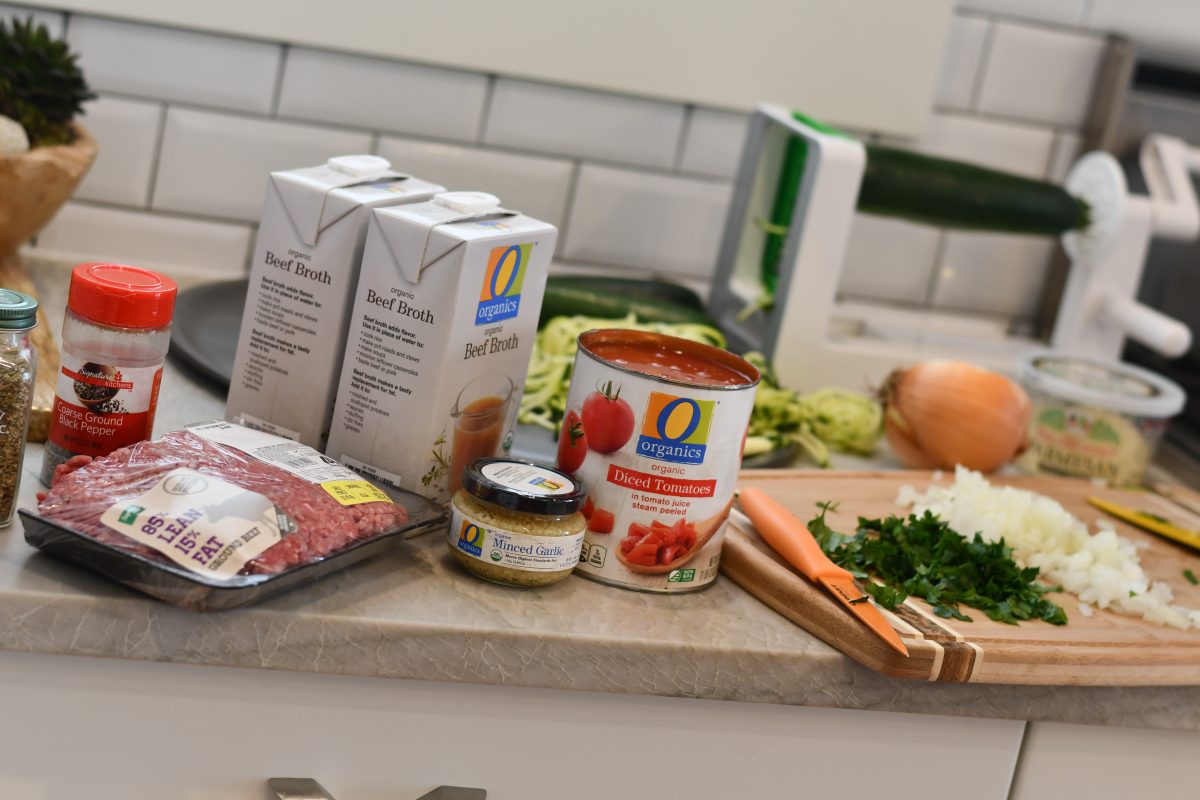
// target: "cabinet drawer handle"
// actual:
[[308, 789], [298, 789]]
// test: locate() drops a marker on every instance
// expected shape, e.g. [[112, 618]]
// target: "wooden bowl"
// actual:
[[35, 184]]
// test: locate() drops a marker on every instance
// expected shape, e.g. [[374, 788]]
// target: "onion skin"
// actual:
[[944, 413]]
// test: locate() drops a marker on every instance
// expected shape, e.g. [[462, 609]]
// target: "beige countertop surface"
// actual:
[[413, 613]]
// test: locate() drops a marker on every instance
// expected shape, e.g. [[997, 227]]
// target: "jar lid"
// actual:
[[18, 310], [1110, 385], [121, 295], [523, 486]]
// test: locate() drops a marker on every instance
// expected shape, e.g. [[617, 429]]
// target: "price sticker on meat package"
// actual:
[[342, 484], [202, 523]]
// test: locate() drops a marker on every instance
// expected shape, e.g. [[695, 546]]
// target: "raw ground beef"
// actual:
[[84, 488]]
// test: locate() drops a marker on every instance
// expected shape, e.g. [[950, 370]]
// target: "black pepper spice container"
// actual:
[[18, 367]]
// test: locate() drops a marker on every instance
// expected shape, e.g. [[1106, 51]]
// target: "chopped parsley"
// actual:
[[922, 556], [1191, 577]]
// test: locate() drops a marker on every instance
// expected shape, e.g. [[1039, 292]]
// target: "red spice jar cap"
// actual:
[[120, 295]]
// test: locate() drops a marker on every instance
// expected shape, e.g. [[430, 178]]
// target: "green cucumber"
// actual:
[[568, 298], [953, 194], [637, 288], [929, 190]]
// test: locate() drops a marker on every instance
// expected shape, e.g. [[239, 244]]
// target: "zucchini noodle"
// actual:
[[549, 375]]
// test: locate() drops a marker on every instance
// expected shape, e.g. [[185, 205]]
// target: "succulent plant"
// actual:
[[41, 86]]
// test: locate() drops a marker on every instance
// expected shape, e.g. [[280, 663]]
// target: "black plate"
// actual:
[[179, 587], [205, 332]]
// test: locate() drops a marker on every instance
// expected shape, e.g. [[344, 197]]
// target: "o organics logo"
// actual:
[[500, 297], [546, 483], [470, 538], [675, 429]]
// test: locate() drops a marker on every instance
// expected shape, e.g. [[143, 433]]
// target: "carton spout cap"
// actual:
[[468, 202], [359, 166]]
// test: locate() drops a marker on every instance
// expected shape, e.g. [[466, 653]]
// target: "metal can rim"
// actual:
[[724, 357]]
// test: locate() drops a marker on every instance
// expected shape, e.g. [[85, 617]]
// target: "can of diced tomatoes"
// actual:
[[655, 426]]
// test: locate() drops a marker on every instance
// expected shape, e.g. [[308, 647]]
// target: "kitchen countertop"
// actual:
[[414, 613]]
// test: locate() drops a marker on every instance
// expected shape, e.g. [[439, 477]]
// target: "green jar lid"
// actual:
[[17, 310]]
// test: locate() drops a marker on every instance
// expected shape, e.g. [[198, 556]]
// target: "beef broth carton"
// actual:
[[441, 333], [302, 280]]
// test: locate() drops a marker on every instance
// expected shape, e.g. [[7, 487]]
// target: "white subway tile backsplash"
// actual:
[[1023, 149], [960, 62], [174, 64], [1068, 147], [52, 21], [383, 95], [91, 233], [577, 122], [217, 164], [1040, 75], [660, 223], [713, 144], [992, 273], [535, 186], [1062, 12], [889, 259], [1031, 86], [127, 132]]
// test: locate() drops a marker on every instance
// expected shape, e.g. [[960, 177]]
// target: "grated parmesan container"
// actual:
[[1094, 418]]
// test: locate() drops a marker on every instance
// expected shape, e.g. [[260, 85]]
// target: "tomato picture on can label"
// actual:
[[572, 443], [664, 420], [607, 419]]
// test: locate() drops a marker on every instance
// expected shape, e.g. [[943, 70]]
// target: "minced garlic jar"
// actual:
[[517, 523]]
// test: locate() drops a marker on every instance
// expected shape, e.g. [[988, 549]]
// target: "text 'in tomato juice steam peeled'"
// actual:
[[114, 341]]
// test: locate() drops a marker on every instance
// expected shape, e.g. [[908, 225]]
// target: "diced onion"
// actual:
[[1102, 569]]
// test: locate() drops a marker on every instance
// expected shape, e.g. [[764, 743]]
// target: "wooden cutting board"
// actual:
[[1106, 649]]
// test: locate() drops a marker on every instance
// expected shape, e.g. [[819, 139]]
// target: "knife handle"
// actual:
[[786, 534]]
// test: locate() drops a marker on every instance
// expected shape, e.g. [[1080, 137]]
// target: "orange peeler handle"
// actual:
[[786, 534]]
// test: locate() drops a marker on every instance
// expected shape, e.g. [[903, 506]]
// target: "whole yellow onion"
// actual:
[[940, 414]]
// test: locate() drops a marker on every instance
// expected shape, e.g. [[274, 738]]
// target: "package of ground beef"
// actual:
[[217, 515]]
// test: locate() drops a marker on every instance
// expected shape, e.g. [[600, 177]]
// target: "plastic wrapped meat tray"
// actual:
[[317, 533]]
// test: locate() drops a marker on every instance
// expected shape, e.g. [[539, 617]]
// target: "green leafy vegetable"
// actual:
[[1191, 577], [922, 556]]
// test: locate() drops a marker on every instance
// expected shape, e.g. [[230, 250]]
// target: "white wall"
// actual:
[[862, 63], [190, 123]]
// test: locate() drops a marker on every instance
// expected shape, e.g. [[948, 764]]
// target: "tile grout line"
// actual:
[[186, 216], [569, 206], [485, 113], [685, 133], [277, 88], [985, 55], [993, 117], [935, 274], [159, 138], [1085, 13], [251, 244], [333, 127]]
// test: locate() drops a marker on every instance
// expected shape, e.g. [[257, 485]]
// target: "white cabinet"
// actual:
[[1104, 763], [107, 729]]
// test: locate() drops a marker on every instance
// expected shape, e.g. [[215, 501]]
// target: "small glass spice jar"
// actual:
[[517, 523], [114, 341], [18, 367]]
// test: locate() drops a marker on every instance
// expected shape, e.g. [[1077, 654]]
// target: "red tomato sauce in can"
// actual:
[[656, 426]]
